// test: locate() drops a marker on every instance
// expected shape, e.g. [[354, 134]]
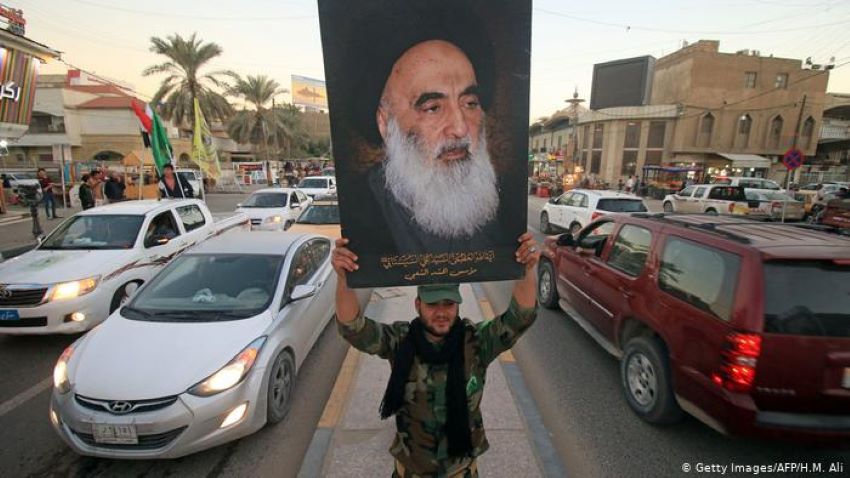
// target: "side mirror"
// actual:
[[295, 205], [566, 240], [302, 292], [239, 204], [553, 200], [155, 241]]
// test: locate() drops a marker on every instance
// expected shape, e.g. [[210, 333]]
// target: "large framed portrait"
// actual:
[[428, 103]]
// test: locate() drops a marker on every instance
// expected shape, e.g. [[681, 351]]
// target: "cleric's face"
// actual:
[[432, 94]]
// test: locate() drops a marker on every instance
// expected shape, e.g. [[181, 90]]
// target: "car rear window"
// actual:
[[807, 298], [703, 276], [727, 193], [621, 205]]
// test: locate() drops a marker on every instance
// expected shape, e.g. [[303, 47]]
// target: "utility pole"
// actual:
[[574, 103]]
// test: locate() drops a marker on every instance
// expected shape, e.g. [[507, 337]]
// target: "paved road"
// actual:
[[577, 388], [29, 446]]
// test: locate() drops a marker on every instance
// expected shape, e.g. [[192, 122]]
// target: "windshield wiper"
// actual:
[[199, 315]]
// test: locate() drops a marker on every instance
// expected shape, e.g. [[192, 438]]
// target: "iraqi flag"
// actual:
[[154, 134]]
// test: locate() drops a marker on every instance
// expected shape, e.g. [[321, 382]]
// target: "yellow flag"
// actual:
[[203, 150]]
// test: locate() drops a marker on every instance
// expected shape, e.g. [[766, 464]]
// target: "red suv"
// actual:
[[744, 325]]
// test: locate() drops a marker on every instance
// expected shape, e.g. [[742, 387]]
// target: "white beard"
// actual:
[[450, 199]]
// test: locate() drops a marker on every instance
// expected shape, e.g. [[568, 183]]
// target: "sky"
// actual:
[[280, 38]]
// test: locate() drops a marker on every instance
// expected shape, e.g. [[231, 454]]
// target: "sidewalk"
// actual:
[[352, 441]]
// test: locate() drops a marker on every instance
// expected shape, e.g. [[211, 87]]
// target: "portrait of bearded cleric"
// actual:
[[429, 116]]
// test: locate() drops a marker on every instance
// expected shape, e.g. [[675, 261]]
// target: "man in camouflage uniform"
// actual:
[[427, 442]]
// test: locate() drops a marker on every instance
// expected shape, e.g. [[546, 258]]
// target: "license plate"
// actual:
[[115, 434], [9, 315], [846, 382]]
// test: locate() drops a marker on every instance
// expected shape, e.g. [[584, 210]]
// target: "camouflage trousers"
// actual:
[[470, 472]]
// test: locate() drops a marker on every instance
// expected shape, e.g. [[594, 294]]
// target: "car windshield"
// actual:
[[95, 232], [320, 214], [807, 298], [313, 183], [266, 200], [209, 287], [187, 176], [621, 205]]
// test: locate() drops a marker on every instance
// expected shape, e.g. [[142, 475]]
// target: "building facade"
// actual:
[[739, 111]]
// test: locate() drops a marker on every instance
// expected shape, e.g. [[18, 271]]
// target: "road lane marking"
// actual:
[[25, 396], [339, 394]]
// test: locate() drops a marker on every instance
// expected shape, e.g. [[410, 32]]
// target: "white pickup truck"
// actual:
[[93, 261]]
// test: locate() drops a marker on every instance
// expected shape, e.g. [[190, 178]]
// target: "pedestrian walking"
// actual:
[[87, 199], [47, 194], [114, 188], [439, 362], [630, 184]]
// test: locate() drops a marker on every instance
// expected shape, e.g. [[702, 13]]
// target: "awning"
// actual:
[[747, 160]]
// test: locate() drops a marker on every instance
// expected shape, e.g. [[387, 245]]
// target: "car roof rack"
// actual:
[[705, 226]]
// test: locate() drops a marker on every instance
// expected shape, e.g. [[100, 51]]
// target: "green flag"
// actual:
[[160, 146]]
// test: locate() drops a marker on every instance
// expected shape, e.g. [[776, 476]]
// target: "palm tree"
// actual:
[[185, 82], [262, 125]]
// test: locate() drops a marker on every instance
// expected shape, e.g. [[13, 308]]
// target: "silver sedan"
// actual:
[[205, 353]]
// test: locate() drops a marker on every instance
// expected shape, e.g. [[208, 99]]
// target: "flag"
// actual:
[[145, 114], [160, 146], [203, 150]]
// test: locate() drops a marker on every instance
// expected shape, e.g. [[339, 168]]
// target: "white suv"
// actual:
[[315, 186], [575, 209], [751, 184]]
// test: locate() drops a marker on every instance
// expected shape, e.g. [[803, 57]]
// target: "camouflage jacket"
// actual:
[[420, 443]]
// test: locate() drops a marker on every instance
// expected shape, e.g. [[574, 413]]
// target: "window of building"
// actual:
[[629, 166], [653, 158], [806, 134], [745, 124], [750, 79], [544, 145], [598, 133], [701, 276], [781, 81], [595, 162], [584, 136], [656, 134], [559, 141], [775, 132], [630, 250], [706, 128], [632, 135]]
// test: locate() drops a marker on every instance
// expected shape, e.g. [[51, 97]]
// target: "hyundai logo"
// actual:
[[5, 293], [120, 407]]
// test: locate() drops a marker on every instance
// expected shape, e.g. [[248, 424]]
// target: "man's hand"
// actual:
[[528, 254], [344, 261]]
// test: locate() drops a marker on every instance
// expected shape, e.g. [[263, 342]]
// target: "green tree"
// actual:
[[261, 122], [185, 81]]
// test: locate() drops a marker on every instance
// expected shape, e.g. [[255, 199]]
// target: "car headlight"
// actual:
[[60, 371], [232, 373], [273, 220], [74, 288]]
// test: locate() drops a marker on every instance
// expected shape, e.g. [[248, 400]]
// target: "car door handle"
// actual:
[[626, 292]]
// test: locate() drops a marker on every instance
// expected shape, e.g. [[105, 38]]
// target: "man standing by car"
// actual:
[[114, 188], [440, 431], [87, 192]]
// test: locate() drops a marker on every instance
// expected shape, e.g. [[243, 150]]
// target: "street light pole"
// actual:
[[574, 102]]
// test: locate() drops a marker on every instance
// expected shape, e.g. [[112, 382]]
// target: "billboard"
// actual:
[[429, 120], [309, 92], [622, 83], [18, 72]]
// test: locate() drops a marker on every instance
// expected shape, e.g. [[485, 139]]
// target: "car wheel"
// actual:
[[122, 295], [711, 212], [645, 376], [668, 207], [547, 291], [545, 227], [575, 228], [281, 386]]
